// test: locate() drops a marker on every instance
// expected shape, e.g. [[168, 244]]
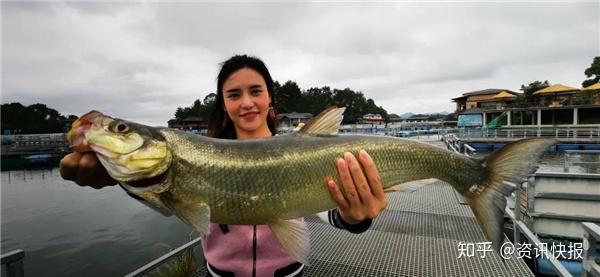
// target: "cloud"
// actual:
[[141, 61]]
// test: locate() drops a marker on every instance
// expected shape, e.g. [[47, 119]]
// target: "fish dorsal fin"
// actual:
[[293, 236], [327, 123]]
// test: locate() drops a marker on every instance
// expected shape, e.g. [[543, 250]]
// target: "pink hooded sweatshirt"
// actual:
[[253, 250]]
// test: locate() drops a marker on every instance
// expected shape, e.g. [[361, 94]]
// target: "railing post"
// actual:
[[518, 215], [530, 194], [566, 165], [591, 233], [14, 263]]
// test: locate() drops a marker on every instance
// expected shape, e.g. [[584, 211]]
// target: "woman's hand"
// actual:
[[85, 170], [362, 195]]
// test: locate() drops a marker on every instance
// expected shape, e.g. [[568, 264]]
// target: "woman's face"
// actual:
[[246, 101]]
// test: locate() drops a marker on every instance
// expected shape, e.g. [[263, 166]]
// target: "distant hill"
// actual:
[[406, 115]]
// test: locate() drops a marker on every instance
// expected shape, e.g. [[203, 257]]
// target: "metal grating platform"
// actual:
[[417, 235]]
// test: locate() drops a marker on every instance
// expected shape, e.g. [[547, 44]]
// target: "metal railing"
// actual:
[[538, 132], [469, 150], [14, 263], [591, 237], [36, 143], [452, 142], [519, 227], [164, 258]]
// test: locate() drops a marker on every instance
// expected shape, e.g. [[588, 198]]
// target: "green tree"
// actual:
[[592, 72], [289, 98], [208, 104], [198, 108], [528, 99], [347, 98], [33, 119], [451, 117], [318, 99]]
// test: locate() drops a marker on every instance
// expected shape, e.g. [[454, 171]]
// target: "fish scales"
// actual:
[[285, 177]]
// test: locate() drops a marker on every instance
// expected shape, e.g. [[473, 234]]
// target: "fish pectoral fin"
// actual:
[[327, 123], [196, 215], [411, 186], [294, 238]]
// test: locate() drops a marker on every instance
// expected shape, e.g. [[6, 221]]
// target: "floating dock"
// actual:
[[417, 235]]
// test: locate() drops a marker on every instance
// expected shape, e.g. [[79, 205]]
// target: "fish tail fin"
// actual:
[[512, 163]]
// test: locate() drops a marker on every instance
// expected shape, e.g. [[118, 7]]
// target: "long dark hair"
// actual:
[[218, 125]]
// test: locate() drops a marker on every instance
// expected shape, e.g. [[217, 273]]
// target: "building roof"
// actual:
[[488, 91], [504, 94], [487, 95], [460, 98], [556, 88], [294, 115], [595, 86]]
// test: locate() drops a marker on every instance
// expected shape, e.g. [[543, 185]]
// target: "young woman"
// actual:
[[245, 110]]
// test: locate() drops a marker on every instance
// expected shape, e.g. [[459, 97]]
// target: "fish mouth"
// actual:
[[80, 127]]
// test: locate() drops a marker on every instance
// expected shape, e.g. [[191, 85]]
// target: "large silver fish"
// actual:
[[274, 180]]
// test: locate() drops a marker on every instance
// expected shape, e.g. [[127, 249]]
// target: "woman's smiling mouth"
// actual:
[[249, 115]]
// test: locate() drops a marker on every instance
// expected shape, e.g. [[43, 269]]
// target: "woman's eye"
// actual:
[[256, 92], [233, 96]]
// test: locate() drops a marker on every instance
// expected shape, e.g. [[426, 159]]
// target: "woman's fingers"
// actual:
[[85, 170], [69, 166], [361, 188], [359, 179], [91, 172], [372, 174], [337, 195], [350, 192]]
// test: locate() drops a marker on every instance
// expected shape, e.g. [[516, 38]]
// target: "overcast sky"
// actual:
[[141, 61]]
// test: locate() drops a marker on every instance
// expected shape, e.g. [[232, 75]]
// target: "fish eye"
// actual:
[[121, 127]]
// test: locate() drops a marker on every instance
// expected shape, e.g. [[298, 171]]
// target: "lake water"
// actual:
[[69, 230], [79, 231]]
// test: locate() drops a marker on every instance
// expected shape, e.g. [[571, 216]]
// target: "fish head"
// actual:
[[129, 151]]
